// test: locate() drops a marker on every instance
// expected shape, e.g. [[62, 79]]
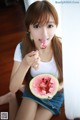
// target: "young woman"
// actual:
[[40, 52]]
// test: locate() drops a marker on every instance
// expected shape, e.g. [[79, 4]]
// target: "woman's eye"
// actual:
[[50, 26], [36, 26]]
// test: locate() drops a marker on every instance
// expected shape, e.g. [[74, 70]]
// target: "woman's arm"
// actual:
[[18, 73], [20, 69]]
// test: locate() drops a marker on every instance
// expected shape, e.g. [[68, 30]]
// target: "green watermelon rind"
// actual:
[[44, 97]]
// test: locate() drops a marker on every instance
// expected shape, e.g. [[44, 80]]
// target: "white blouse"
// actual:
[[44, 67]]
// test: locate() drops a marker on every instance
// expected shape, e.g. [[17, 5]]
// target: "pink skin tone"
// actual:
[[32, 59], [43, 33], [42, 36]]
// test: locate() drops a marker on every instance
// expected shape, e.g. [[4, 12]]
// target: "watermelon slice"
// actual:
[[44, 86]]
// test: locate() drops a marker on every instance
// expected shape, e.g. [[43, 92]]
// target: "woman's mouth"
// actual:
[[43, 44]]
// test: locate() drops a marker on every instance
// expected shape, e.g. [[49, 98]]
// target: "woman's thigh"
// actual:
[[43, 114], [27, 110]]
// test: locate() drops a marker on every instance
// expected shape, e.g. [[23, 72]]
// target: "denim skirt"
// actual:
[[52, 105]]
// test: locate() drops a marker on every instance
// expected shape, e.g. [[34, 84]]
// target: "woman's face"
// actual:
[[43, 34]]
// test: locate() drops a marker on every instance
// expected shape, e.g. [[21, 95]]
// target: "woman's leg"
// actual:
[[13, 107], [5, 98], [10, 98], [43, 114], [27, 110]]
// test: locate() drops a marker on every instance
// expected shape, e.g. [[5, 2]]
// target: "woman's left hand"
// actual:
[[60, 86]]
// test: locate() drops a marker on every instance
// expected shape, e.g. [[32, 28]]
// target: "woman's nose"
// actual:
[[44, 33]]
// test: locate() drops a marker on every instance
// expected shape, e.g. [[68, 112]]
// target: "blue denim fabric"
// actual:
[[52, 105]]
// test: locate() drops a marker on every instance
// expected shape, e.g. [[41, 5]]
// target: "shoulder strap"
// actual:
[[21, 45]]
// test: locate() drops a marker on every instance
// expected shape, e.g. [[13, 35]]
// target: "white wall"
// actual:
[[28, 2], [71, 58]]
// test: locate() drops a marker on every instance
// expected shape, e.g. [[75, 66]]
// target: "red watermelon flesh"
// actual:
[[44, 86]]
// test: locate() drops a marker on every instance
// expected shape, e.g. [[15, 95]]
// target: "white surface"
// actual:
[[71, 58]]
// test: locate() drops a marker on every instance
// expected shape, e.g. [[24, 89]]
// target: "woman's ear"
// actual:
[[28, 33], [31, 37]]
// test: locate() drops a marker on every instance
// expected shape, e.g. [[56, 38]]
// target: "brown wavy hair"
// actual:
[[40, 12]]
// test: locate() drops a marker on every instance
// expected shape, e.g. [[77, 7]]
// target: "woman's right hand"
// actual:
[[32, 59]]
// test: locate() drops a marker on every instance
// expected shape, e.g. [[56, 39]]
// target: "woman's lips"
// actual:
[[43, 45]]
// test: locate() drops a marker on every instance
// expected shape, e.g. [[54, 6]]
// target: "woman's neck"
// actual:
[[46, 54]]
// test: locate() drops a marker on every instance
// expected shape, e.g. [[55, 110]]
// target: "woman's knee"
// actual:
[[12, 97], [27, 110]]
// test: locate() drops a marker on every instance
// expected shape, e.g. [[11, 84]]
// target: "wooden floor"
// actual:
[[12, 30]]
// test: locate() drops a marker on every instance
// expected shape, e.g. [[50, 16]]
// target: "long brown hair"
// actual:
[[40, 12]]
